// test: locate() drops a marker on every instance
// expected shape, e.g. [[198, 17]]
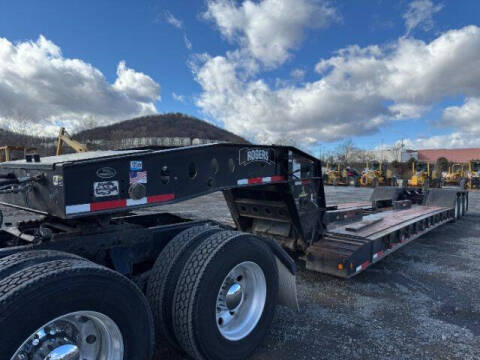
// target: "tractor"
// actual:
[[377, 174], [456, 175], [424, 175], [336, 175], [473, 175]]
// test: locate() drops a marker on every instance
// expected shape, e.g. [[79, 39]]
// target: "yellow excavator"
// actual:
[[65, 138], [377, 174], [455, 176], [424, 175]]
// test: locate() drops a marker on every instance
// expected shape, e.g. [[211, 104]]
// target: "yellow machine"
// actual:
[[336, 175], [424, 175], [473, 175], [6, 152], [456, 173], [377, 174], [65, 138]]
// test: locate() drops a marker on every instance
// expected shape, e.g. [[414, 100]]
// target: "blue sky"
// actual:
[[149, 36]]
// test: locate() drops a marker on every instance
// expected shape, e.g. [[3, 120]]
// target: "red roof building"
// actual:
[[452, 155]]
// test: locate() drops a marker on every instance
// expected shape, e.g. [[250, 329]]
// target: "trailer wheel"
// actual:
[[457, 208], [226, 296], [73, 309], [165, 274], [464, 205], [21, 260]]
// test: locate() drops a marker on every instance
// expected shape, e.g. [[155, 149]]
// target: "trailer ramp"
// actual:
[[348, 249]]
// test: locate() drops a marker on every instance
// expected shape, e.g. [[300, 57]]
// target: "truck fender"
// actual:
[[287, 287]]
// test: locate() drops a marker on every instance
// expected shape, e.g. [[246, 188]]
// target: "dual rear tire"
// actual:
[[226, 288], [211, 294], [54, 304]]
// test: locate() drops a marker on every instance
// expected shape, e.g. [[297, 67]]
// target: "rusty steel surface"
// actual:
[[353, 205], [390, 220]]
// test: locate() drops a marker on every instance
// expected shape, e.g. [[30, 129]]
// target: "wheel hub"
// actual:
[[241, 301], [234, 296], [83, 335]]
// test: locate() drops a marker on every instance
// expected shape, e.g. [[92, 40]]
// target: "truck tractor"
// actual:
[[95, 268]]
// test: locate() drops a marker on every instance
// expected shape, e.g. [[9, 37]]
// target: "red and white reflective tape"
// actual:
[[260, 180], [378, 255], [116, 204], [303, 182], [363, 266]]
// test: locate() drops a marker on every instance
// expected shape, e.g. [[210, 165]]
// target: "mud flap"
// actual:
[[287, 286]]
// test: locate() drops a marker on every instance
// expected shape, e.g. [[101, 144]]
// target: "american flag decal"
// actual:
[[138, 177]]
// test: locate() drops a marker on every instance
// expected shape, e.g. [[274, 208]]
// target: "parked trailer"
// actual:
[[97, 277]]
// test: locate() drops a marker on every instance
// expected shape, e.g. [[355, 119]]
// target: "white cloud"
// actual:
[[41, 89], [172, 20], [456, 140], [465, 117], [188, 43], [269, 29], [177, 97], [420, 13], [358, 90], [298, 74]]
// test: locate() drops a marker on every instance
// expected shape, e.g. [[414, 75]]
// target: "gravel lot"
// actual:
[[423, 302]]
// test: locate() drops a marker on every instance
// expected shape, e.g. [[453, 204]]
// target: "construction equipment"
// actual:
[[377, 174], [424, 175], [96, 265], [473, 175], [6, 152], [455, 176], [65, 138], [337, 175]]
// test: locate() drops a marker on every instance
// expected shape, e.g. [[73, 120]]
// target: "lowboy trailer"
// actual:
[[93, 276]]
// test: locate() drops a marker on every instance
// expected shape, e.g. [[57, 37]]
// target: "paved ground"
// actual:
[[423, 302]]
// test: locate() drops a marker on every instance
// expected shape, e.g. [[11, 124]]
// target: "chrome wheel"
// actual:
[[83, 335], [241, 301]]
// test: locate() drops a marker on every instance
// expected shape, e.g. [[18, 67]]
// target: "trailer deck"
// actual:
[[349, 249]]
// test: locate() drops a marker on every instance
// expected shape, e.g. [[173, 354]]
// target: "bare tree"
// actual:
[[346, 150], [397, 151]]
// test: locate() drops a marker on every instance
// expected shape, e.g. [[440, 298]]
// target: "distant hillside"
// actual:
[[16, 139], [165, 125]]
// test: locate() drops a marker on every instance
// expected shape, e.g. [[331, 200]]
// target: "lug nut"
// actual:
[[91, 339]]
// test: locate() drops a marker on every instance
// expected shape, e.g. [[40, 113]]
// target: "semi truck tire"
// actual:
[[73, 309], [165, 274], [457, 209], [21, 260], [226, 296], [464, 204]]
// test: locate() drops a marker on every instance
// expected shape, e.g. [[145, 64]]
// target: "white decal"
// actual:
[[106, 188]]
